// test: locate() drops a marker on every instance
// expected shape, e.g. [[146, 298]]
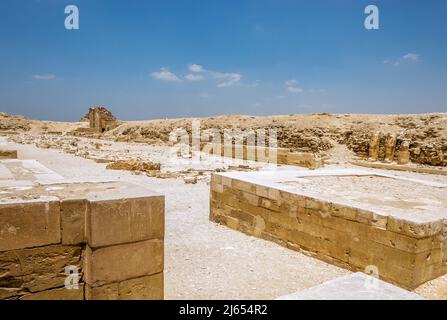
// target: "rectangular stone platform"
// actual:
[[348, 217], [111, 233], [356, 286]]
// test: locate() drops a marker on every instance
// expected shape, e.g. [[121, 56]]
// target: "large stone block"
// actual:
[[36, 269], [29, 223], [122, 262], [57, 294], [143, 288], [125, 220], [73, 226]]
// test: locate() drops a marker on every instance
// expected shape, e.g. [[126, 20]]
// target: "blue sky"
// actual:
[[158, 59]]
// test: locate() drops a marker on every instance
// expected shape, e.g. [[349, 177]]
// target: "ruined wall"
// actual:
[[100, 119], [406, 253], [262, 154], [115, 243]]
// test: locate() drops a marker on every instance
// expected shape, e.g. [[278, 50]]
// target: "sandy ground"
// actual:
[[204, 260]]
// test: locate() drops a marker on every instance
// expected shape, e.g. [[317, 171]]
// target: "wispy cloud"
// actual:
[[409, 57], [412, 57], [44, 77], [165, 75], [227, 79], [194, 77], [294, 90], [196, 68], [198, 72], [290, 82]]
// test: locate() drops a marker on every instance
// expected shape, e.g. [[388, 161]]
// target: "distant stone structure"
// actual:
[[403, 155], [100, 119], [390, 146], [374, 147]]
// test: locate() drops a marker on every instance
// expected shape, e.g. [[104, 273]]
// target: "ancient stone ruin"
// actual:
[[61, 239], [383, 147], [100, 119], [357, 227]]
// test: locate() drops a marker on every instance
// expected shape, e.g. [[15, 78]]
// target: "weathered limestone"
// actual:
[[111, 234], [408, 249], [264, 154], [356, 286], [394, 167], [30, 223], [122, 262], [374, 147], [8, 154], [100, 119], [390, 146], [403, 155], [146, 287], [37, 269]]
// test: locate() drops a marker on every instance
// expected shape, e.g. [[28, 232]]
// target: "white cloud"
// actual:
[[193, 77], [411, 57], [48, 76], [196, 68], [227, 79], [290, 82], [165, 75], [294, 90]]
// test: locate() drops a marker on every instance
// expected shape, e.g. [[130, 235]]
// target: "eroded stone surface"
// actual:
[[357, 286], [313, 212], [104, 232]]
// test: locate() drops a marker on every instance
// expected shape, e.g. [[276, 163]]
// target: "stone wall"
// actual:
[[262, 154], [406, 253], [114, 242]]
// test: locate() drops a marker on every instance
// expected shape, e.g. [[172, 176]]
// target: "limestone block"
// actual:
[[390, 146], [403, 155], [105, 292], [374, 147], [57, 294], [123, 262], [30, 224], [125, 220], [243, 186], [73, 215], [143, 288], [36, 269]]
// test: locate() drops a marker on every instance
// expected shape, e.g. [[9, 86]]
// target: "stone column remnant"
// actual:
[[390, 146], [374, 147], [403, 156]]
